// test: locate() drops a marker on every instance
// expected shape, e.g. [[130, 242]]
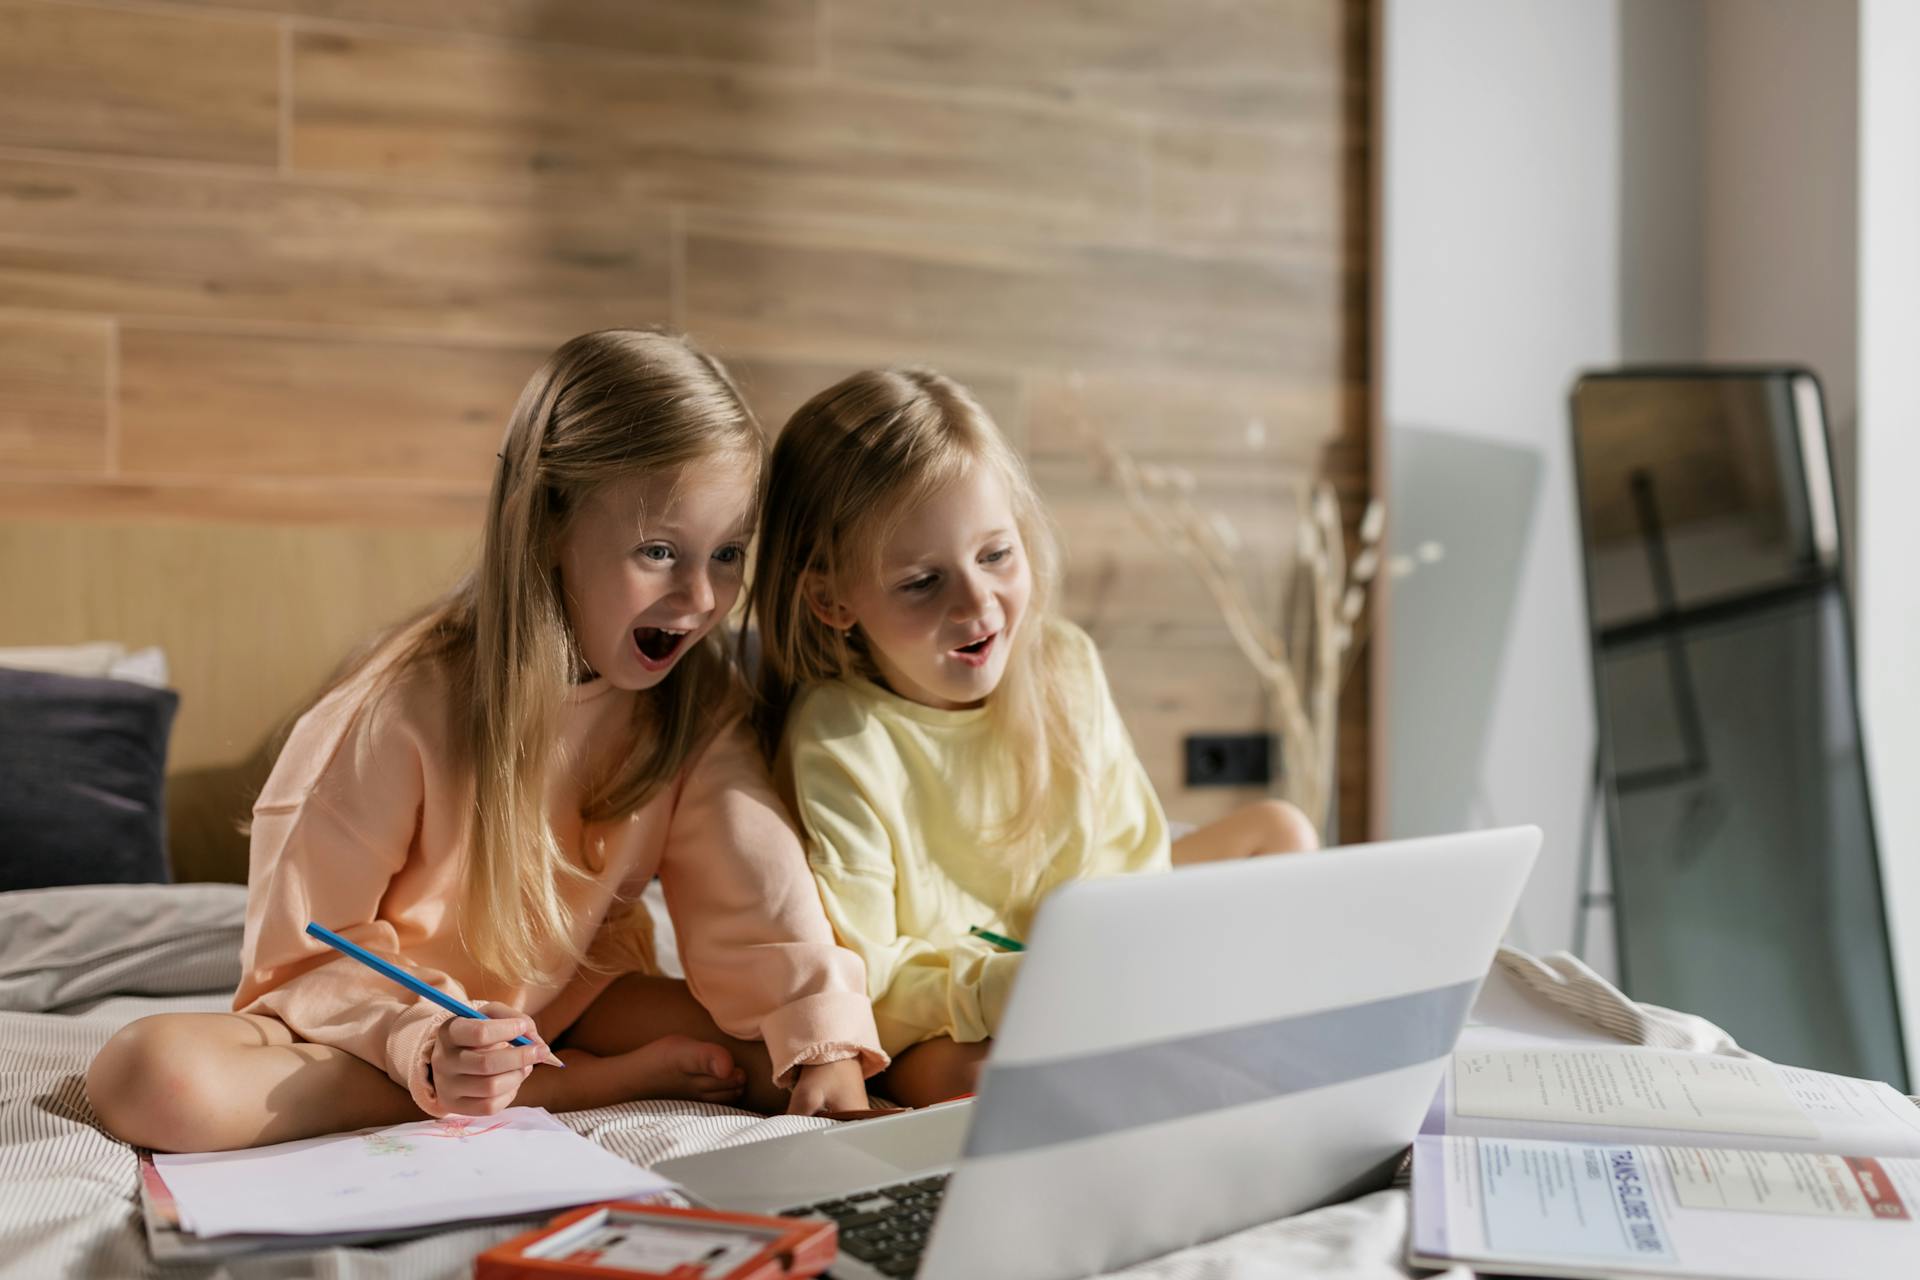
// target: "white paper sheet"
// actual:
[[520, 1161]]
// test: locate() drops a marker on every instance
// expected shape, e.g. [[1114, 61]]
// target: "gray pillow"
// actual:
[[62, 946], [82, 777]]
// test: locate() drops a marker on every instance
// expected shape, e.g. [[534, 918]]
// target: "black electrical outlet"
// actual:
[[1231, 759]]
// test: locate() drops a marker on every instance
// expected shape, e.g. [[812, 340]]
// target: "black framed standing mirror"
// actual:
[[1745, 874]]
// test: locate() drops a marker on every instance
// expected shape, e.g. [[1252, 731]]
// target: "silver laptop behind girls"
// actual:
[[1183, 1056]]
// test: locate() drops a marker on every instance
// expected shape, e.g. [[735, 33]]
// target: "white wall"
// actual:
[[1738, 185], [1586, 183], [1663, 126], [1888, 613], [1548, 171], [1781, 176], [1500, 281]]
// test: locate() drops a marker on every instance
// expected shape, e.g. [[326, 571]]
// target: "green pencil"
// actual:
[[1005, 944]]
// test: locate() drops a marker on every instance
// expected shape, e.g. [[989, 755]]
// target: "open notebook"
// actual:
[[1620, 1161]]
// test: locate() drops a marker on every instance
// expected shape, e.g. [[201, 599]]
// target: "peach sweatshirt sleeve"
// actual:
[[753, 936], [332, 828]]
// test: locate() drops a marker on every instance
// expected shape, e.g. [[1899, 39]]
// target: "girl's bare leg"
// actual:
[[637, 1010], [1266, 826], [667, 1066], [933, 1071], [219, 1081]]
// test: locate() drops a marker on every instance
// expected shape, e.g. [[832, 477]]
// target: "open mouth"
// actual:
[[976, 654], [657, 645]]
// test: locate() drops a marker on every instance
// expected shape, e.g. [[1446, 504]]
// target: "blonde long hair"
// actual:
[[605, 405], [848, 465]]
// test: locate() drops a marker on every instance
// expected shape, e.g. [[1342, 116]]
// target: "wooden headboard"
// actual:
[[253, 619]]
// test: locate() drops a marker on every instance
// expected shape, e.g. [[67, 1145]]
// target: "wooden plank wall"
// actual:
[[289, 260]]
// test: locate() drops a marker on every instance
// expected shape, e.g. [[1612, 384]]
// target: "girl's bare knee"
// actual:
[[934, 1071], [148, 1087], [1284, 829], [969, 1068]]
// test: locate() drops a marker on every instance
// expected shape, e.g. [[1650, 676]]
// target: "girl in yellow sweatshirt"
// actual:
[[950, 748], [485, 794]]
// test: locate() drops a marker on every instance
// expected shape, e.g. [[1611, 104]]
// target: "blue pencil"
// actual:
[[402, 977]]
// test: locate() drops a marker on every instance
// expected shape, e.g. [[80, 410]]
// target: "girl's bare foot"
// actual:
[[682, 1067], [670, 1067]]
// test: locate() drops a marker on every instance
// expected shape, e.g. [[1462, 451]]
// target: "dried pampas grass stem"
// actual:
[[1302, 681]]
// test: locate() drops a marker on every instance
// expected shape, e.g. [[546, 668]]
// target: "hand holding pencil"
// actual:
[[477, 1069], [480, 1057]]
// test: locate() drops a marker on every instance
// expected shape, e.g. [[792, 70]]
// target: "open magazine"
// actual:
[[1609, 1161]]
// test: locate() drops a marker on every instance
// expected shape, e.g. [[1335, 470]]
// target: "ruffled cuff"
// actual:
[[410, 1052], [827, 1027]]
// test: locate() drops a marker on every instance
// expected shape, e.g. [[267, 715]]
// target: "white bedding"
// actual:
[[75, 964]]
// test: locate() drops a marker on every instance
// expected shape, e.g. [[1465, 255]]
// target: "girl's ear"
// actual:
[[821, 600]]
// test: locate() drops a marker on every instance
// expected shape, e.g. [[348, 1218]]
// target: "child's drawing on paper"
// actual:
[[460, 1127]]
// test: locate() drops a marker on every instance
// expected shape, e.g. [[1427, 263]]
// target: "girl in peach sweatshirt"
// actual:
[[484, 795]]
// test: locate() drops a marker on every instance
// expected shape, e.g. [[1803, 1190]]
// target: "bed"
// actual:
[[77, 963]]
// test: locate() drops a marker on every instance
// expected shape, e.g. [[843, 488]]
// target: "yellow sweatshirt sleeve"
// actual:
[[920, 988]]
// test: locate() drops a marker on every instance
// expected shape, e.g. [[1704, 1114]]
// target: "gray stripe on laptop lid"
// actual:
[[1029, 1105]]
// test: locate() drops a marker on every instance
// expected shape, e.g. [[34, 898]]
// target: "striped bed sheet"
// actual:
[[77, 964]]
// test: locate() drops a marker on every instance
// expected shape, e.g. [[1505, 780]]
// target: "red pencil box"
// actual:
[[656, 1242]]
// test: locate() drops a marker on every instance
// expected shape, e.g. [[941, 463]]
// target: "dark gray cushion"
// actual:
[[82, 771]]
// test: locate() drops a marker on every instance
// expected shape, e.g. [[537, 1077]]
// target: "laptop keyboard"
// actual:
[[885, 1228]]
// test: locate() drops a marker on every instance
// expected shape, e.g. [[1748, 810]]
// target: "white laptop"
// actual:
[[1182, 1056]]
